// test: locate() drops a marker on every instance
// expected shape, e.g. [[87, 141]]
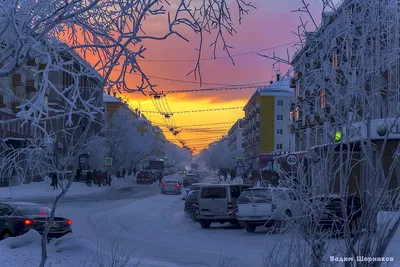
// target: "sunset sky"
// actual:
[[270, 25]]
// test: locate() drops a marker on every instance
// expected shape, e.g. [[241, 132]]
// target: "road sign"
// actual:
[[291, 159], [108, 161]]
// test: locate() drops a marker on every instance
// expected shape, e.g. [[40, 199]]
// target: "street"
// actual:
[[153, 227]]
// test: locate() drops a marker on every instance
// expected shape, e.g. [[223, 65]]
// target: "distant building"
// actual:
[[266, 121], [235, 139]]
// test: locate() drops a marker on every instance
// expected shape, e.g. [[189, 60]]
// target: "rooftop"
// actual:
[[110, 99]]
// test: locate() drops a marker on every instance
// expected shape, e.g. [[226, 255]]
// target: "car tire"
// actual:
[[6, 234], [250, 228], [205, 224]]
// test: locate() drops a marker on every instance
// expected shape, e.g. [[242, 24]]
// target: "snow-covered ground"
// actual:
[[43, 189], [153, 231]]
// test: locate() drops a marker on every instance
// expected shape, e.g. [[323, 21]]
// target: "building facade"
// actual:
[[347, 88], [235, 139], [266, 123]]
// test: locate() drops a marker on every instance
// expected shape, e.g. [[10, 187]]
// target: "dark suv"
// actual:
[[190, 179], [326, 213], [144, 177]]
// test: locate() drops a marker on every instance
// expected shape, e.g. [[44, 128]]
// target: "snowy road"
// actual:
[[156, 229]]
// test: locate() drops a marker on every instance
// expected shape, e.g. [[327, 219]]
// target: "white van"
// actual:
[[266, 206], [218, 203]]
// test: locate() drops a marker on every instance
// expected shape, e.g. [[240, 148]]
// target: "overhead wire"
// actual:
[[220, 57], [198, 110]]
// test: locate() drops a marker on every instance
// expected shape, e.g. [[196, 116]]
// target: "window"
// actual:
[[194, 195], [279, 131], [235, 191], [5, 211], [280, 103], [297, 89], [213, 192], [279, 146], [297, 113], [255, 196], [279, 117], [335, 60], [323, 99], [291, 116]]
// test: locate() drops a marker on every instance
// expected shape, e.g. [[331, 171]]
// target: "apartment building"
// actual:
[[346, 85], [235, 139], [265, 123]]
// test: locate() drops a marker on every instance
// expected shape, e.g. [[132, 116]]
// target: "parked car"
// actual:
[[190, 204], [144, 177], [267, 206], [170, 186], [193, 187], [212, 180], [218, 203], [190, 179], [17, 218], [326, 212]]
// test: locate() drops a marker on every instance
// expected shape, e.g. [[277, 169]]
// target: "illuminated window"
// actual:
[[291, 116], [335, 61], [297, 113], [323, 99]]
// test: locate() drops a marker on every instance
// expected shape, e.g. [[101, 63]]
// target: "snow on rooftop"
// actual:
[[110, 99], [281, 85]]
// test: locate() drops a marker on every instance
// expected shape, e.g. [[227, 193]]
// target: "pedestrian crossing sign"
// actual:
[[108, 161]]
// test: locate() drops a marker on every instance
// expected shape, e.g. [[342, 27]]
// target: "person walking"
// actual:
[[109, 180], [159, 178], [54, 181], [89, 177], [98, 178]]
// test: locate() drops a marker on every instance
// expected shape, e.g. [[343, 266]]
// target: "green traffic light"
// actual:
[[338, 136]]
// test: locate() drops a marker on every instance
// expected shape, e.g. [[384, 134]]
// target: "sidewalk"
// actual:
[[43, 189]]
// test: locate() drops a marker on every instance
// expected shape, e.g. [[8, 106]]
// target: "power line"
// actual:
[[209, 89], [221, 57], [198, 110], [196, 125], [193, 82]]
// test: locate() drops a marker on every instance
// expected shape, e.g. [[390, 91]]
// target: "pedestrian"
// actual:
[[78, 175], [89, 177], [109, 180], [134, 171], [118, 174], [54, 181], [98, 178], [123, 173], [159, 178]]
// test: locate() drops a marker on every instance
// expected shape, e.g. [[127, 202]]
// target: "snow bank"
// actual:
[[43, 189], [31, 238], [67, 251]]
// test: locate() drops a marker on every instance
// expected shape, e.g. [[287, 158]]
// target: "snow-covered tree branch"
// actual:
[[345, 119]]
